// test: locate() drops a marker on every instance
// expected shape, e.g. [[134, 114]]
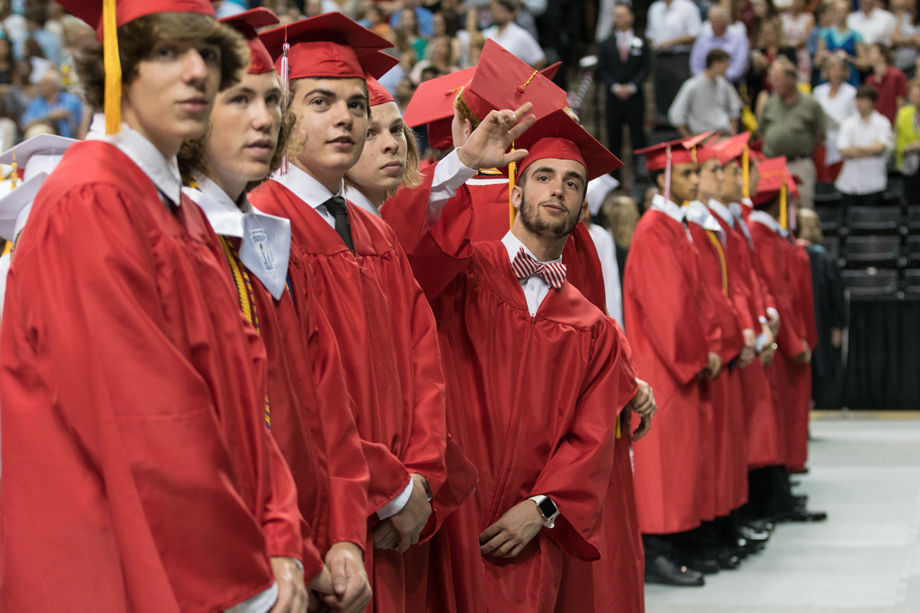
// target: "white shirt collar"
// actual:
[[357, 197], [513, 245], [163, 172], [225, 216], [722, 211], [762, 217], [305, 186], [668, 207]]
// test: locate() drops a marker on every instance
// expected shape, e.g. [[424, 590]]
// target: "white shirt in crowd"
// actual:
[[866, 175], [836, 109], [876, 27], [518, 41], [705, 104], [667, 22]]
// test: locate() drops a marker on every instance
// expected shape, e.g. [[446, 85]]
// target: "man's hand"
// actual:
[[836, 337], [773, 321], [749, 352], [319, 587], [487, 145], [767, 353], [507, 537], [351, 590], [643, 403], [713, 365], [292, 593], [59, 113], [410, 521], [805, 356]]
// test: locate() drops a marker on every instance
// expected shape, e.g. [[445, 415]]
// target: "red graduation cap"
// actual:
[[247, 23], [550, 71], [678, 151], [433, 99], [559, 136], [502, 81], [328, 45], [732, 147], [378, 93]]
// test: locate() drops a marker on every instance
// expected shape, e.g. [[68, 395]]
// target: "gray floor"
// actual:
[[865, 559]]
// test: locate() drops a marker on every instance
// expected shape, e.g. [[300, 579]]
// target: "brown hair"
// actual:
[[412, 177], [622, 215], [464, 111], [138, 38]]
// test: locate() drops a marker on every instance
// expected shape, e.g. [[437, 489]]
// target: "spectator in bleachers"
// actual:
[[772, 44], [838, 99], [623, 63], [513, 37], [36, 14], [59, 109], [888, 81], [792, 124], [840, 40], [423, 17], [6, 59], [376, 21], [822, 20], [873, 22], [20, 93], [907, 130], [447, 23], [905, 38], [865, 139], [477, 41], [408, 36], [673, 26], [440, 57], [715, 34], [798, 22], [707, 101]]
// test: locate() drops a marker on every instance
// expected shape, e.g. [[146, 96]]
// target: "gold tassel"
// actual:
[[746, 173], [783, 208], [512, 168], [112, 63], [14, 176]]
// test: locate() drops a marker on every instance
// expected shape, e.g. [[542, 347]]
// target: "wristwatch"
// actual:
[[547, 508]]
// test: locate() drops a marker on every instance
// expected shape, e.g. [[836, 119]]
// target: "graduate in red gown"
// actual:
[[531, 363], [351, 262], [308, 407], [675, 346], [138, 473]]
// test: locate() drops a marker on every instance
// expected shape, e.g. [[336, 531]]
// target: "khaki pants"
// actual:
[[804, 169]]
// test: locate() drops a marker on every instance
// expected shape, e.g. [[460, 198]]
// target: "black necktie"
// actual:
[[336, 206]]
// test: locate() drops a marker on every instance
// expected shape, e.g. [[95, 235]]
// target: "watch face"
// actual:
[[548, 508]]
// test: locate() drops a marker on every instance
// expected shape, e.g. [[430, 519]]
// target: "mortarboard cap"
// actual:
[[377, 92], [733, 147], [328, 45], [559, 136], [38, 154], [16, 205], [433, 99], [682, 151], [247, 23]]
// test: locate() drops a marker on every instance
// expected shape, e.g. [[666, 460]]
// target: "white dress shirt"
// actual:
[[681, 18], [607, 254], [836, 109], [518, 41], [672, 210], [535, 288], [865, 175], [764, 218], [876, 27], [698, 213], [357, 198]]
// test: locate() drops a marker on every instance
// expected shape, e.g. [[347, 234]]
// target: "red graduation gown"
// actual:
[[775, 256], [311, 416], [137, 470], [761, 426], [805, 304], [669, 338], [494, 353], [390, 353]]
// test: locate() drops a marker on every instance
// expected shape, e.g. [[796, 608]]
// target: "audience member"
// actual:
[[61, 110], [715, 34], [822, 21], [864, 140], [673, 26], [873, 22], [838, 99], [771, 44], [888, 81], [423, 17], [841, 40], [6, 59], [707, 101], [440, 58], [798, 22], [623, 63], [792, 124], [36, 14], [907, 129], [905, 38], [513, 37], [409, 38]]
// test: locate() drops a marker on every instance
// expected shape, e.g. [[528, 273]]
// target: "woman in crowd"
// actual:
[[771, 44], [797, 23], [841, 41], [440, 57], [838, 99]]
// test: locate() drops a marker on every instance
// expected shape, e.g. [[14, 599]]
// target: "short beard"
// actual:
[[528, 213]]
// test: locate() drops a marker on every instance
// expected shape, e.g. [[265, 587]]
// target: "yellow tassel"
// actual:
[[512, 168], [14, 176], [783, 208], [112, 63], [746, 173]]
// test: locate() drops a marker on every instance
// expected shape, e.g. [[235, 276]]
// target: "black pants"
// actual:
[[671, 70], [849, 200], [912, 188], [629, 113]]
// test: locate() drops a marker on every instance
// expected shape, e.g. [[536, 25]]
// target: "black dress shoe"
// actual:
[[800, 514], [751, 534], [662, 570], [727, 559], [763, 525], [701, 563]]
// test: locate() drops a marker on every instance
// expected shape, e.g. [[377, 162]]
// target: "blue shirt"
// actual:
[[40, 107], [423, 17], [732, 41]]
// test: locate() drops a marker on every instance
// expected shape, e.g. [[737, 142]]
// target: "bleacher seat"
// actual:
[[828, 199], [884, 219], [913, 250], [865, 250], [913, 218], [831, 244], [831, 217], [870, 281], [912, 281]]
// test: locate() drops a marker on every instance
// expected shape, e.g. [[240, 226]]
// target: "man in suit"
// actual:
[[623, 63]]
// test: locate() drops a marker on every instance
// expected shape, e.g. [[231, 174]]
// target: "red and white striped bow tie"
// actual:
[[525, 265]]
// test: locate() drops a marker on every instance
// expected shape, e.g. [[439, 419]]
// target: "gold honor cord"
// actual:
[[112, 64], [243, 284], [718, 245]]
